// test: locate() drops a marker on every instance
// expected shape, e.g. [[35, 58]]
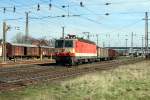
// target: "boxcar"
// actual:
[[52, 51], [46, 51], [21, 50], [102, 53], [31, 51], [15, 50], [112, 53]]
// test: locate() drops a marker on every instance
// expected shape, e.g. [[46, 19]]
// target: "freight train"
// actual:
[[67, 51], [74, 51]]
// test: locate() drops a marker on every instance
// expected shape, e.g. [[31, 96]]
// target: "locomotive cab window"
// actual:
[[64, 43], [68, 43], [59, 43]]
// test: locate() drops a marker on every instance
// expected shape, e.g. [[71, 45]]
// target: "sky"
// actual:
[[125, 17]]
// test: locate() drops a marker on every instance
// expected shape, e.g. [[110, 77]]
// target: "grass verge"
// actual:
[[128, 82]]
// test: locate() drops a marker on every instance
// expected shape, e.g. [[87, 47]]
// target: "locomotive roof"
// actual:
[[80, 39], [87, 41]]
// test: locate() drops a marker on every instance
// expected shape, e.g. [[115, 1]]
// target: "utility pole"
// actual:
[[63, 32], [27, 27], [109, 41], [97, 36], [132, 43], [97, 43], [68, 11], [63, 36], [5, 29], [103, 44], [146, 34], [142, 45], [126, 45]]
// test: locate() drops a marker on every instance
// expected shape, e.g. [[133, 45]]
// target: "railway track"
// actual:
[[17, 79], [25, 62]]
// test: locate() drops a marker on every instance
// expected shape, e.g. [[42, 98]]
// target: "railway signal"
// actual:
[[126, 46]]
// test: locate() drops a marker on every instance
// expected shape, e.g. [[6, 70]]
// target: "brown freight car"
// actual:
[[15, 50], [112, 53], [46, 51], [31, 51]]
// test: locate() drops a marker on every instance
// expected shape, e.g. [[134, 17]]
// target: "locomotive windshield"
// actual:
[[64, 43]]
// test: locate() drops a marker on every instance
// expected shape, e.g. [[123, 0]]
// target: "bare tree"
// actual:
[[18, 38]]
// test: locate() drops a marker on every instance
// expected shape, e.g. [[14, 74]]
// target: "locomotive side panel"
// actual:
[[85, 50]]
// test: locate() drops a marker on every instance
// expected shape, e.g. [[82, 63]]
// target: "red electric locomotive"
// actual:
[[74, 50]]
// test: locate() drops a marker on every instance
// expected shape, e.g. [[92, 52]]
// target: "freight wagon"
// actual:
[[102, 53], [21, 50], [112, 54], [0, 50], [28, 51], [46, 51]]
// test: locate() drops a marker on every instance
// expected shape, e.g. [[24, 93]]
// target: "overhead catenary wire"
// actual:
[[82, 15]]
